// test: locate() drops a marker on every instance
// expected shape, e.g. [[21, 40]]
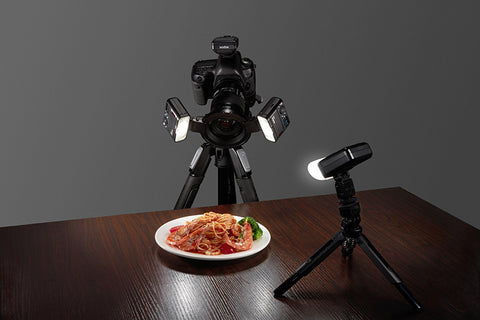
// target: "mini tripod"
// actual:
[[229, 161], [348, 237]]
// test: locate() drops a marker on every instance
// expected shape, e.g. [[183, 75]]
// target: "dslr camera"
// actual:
[[229, 81], [229, 73]]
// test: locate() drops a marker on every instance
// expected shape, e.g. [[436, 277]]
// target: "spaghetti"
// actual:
[[212, 234]]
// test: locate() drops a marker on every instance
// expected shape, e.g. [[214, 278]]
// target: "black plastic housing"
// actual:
[[345, 159]]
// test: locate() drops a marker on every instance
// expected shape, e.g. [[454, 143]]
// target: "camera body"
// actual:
[[229, 70], [229, 81]]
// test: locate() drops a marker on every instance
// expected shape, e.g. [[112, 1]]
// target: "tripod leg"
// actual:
[[197, 169], [243, 174], [387, 271], [311, 263]]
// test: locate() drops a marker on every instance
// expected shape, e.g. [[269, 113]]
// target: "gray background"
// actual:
[[83, 86]]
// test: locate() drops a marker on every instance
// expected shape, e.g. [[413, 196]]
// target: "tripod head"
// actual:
[[230, 82]]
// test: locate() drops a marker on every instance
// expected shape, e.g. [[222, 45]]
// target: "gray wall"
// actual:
[[83, 86]]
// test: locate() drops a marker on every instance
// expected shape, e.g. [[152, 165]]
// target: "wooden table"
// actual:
[[111, 267]]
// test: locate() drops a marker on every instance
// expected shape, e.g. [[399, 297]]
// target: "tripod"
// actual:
[[348, 237], [230, 162]]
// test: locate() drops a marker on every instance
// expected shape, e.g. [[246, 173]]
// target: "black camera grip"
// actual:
[[199, 94]]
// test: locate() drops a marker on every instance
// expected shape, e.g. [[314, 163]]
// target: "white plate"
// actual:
[[163, 232]]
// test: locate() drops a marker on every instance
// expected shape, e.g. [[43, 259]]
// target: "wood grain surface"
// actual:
[[111, 267]]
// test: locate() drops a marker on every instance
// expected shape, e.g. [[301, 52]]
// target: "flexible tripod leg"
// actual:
[[197, 169], [243, 174], [311, 263], [387, 271]]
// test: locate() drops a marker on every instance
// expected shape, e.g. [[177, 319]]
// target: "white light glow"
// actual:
[[314, 170], [267, 131], [182, 129]]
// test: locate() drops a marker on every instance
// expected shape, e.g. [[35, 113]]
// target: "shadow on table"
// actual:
[[203, 267]]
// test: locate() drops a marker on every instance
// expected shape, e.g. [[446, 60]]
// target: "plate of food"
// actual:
[[213, 236]]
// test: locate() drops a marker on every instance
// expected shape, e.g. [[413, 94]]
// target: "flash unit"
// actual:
[[340, 161], [176, 119], [273, 119], [337, 166], [225, 46]]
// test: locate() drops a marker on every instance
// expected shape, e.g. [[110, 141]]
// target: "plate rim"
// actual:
[[160, 238]]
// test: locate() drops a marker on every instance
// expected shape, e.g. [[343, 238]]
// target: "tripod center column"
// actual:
[[226, 178]]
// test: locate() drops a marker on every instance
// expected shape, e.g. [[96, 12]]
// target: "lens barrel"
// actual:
[[225, 124]]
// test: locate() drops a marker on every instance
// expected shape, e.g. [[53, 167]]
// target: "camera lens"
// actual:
[[225, 124], [226, 127], [226, 120]]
